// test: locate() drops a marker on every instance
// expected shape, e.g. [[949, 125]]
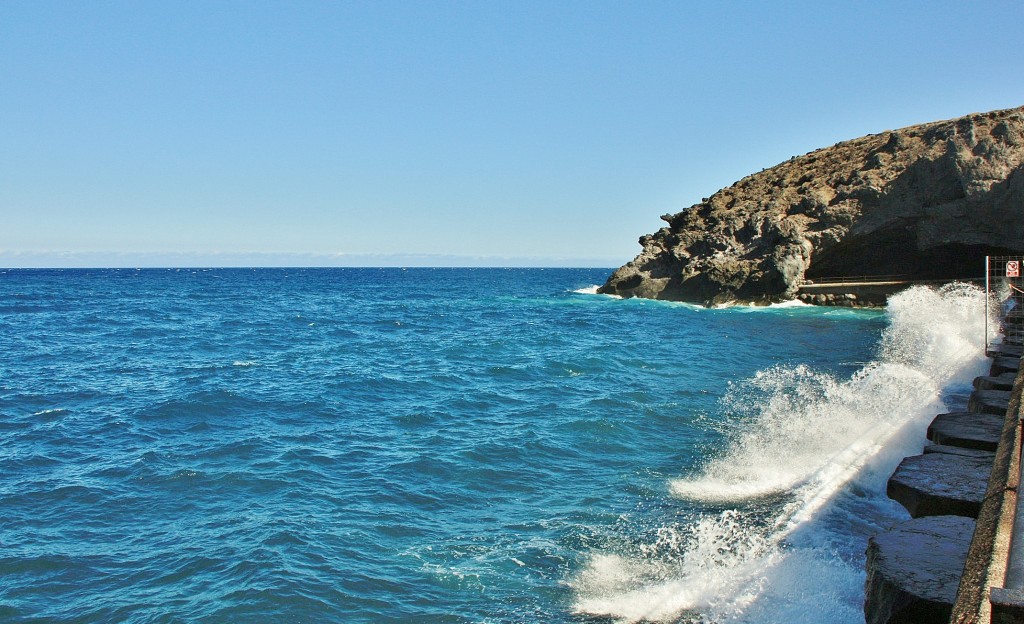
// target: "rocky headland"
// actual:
[[923, 202]]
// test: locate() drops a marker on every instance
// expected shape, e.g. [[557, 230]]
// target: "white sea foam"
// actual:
[[797, 439], [592, 290], [243, 363], [792, 303], [50, 412]]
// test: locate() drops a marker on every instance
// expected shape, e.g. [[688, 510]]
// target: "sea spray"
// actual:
[[799, 440], [404, 445]]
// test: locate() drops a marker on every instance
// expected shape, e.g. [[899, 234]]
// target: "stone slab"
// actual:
[[1014, 317], [1014, 337], [1000, 382], [957, 450], [940, 484], [1007, 605], [913, 570], [1004, 364], [989, 402], [967, 430], [1007, 349]]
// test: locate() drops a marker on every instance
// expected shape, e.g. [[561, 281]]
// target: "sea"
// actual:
[[451, 445]]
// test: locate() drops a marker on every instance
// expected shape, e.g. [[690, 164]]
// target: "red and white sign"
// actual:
[[1012, 268]]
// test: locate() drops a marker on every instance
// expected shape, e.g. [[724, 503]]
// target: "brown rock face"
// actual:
[[924, 202]]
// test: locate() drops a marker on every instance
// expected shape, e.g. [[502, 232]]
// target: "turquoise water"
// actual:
[[446, 445]]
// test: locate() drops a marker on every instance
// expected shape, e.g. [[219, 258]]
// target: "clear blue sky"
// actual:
[[443, 133]]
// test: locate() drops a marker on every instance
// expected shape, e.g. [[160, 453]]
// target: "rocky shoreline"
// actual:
[[923, 202]]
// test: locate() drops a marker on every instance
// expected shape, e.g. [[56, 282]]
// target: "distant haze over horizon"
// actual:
[[437, 134], [100, 260]]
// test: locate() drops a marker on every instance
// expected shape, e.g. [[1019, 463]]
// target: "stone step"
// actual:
[[914, 568], [1007, 605], [1001, 382], [958, 450], [940, 484], [1014, 317], [1007, 349], [1004, 364], [989, 402], [1013, 337], [967, 430]]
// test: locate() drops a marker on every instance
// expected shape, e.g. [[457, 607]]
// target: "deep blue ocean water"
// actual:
[[437, 445]]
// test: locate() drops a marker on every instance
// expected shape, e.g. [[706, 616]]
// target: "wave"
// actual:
[[51, 412], [593, 290], [798, 438], [792, 303]]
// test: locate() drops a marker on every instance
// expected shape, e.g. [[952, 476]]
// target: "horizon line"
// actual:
[[11, 259], [254, 267]]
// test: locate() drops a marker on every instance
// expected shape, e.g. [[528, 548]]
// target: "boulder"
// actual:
[[913, 570]]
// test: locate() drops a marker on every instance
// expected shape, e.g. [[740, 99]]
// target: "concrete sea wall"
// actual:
[[957, 559]]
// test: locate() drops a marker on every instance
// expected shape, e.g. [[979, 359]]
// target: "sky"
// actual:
[[415, 133]]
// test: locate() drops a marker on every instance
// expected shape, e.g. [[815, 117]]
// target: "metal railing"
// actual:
[[880, 279], [1004, 288], [849, 279]]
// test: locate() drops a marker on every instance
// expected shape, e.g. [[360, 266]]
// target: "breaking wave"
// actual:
[[774, 535]]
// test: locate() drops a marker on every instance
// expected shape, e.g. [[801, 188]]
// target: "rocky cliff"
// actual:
[[924, 202]]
